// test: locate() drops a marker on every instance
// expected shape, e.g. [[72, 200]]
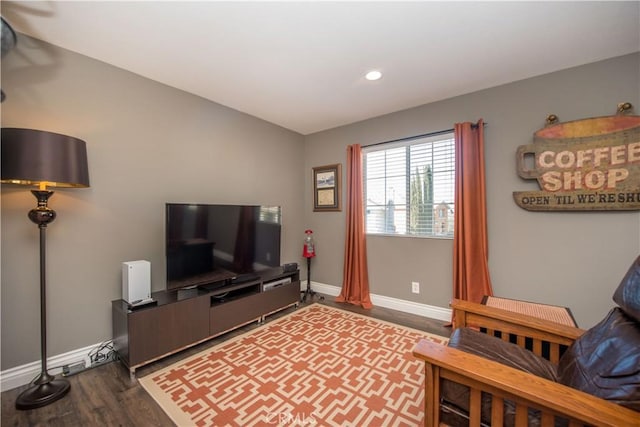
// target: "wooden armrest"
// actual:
[[543, 394], [481, 311]]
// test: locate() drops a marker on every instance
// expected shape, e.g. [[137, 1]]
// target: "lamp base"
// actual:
[[41, 395]]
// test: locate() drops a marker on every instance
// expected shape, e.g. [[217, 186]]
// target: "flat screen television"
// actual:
[[208, 244]]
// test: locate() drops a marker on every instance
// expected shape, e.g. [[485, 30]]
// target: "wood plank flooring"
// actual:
[[106, 396]]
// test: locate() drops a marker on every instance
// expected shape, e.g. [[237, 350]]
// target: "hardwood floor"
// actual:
[[106, 396]]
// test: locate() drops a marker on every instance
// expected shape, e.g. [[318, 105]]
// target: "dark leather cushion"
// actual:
[[455, 397], [509, 354], [605, 361], [627, 296]]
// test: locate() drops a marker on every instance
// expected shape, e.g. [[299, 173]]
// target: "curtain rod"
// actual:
[[409, 138]]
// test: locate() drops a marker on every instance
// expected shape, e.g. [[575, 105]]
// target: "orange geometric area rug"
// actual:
[[316, 366]]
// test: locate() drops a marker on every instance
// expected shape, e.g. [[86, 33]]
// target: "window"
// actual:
[[270, 214], [409, 187]]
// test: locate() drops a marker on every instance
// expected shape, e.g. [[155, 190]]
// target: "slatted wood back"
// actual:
[[543, 337]]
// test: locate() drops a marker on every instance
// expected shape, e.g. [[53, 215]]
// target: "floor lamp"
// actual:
[[34, 157]]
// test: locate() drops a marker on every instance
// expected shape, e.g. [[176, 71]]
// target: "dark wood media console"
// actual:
[[183, 318]]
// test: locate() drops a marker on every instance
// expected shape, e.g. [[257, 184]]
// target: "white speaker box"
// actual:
[[136, 281]]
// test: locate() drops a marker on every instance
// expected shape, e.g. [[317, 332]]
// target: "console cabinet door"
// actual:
[[280, 297], [160, 330], [232, 314]]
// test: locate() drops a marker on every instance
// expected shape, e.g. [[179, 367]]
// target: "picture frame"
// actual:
[[326, 188]]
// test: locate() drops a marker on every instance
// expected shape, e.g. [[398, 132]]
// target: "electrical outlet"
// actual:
[[415, 287]]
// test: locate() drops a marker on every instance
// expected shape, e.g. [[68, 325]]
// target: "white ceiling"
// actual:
[[301, 64]]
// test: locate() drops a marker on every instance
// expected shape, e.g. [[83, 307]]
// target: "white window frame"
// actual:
[[389, 174]]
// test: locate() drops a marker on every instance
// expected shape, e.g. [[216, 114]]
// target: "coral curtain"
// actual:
[[471, 279], [355, 279]]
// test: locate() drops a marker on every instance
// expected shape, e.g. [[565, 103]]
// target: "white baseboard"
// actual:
[[24, 374], [21, 375], [430, 311]]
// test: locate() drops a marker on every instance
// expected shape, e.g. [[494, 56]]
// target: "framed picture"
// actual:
[[326, 188]]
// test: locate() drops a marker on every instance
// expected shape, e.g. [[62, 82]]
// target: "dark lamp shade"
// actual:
[[33, 157]]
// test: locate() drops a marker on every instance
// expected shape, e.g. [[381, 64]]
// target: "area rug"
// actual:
[[316, 366]]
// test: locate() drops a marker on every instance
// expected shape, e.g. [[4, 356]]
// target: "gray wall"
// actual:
[[569, 259], [147, 144]]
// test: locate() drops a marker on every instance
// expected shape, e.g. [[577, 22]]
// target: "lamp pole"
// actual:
[[46, 388]]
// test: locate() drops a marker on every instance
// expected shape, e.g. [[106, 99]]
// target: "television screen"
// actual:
[[207, 244]]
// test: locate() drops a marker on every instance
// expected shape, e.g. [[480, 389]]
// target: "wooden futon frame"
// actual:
[[544, 338]]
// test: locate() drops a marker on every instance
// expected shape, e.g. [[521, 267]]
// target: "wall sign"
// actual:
[[585, 165]]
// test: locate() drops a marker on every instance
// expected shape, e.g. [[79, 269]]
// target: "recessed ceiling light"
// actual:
[[373, 75]]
